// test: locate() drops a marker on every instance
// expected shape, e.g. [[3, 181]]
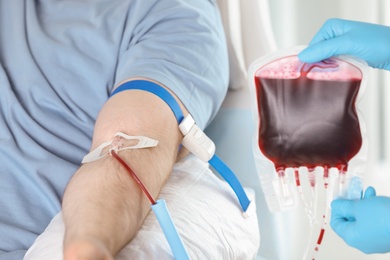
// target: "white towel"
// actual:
[[205, 211]]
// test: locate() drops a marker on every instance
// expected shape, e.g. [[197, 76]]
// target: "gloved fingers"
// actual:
[[343, 219], [370, 192], [342, 208], [323, 50]]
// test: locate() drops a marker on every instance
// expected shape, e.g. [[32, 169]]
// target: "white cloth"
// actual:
[[205, 211]]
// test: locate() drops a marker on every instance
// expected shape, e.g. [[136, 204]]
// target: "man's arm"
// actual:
[[180, 44], [103, 207]]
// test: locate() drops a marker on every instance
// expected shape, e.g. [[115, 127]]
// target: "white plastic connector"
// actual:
[[195, 140]]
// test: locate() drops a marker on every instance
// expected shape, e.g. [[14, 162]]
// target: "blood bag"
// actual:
[[307, 121]]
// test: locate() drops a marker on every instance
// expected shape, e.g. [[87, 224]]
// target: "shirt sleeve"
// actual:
[[180, 44]]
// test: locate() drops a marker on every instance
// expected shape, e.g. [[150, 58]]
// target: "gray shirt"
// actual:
[[59, 61]]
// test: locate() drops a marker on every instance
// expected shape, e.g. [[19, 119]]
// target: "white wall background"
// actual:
[[294, 22]]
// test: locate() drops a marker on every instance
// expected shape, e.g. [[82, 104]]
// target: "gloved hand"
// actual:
[[363, 224], [370, 42]]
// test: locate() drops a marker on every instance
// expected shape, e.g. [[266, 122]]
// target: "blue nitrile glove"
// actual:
[[369, 42], [363, 224]]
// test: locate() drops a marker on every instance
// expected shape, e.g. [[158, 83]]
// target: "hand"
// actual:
[[363, 224], [369, 42]]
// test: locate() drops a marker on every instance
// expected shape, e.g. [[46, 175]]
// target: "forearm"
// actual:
[[102, 201]]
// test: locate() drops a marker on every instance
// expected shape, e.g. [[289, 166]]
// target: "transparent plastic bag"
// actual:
[[307, 123], [309, 135]]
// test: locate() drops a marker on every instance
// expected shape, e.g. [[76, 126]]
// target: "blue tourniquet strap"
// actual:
[[231, 178], [217, 163], [154, 89]]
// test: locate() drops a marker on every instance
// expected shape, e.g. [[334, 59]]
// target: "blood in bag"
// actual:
[[309, 127], [308, 122]]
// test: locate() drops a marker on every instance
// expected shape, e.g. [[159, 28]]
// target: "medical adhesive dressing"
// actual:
[[308, 128], [120, 142]]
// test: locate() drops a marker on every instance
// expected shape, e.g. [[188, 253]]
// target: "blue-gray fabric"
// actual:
[[59, 61]]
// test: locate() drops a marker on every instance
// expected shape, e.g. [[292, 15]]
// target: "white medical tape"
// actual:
[[119, 143]]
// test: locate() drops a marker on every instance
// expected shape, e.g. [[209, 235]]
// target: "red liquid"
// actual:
[[305, 122]]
